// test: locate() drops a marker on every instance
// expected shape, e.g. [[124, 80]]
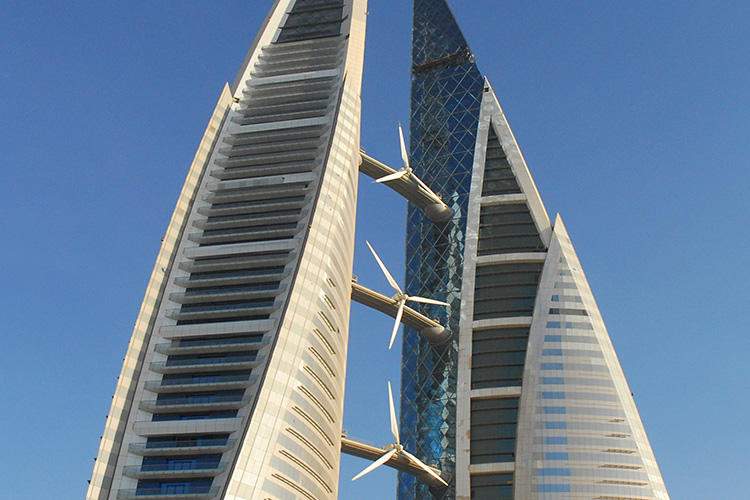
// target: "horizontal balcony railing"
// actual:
[[283, 215], [265, 84], [211, 361], [321, 111], [249, 292], [169, 348], [253, 207], [285, 48], [260, 137], [186, 493], [162, 367], [283, 106], [322, 84], [293, 67], [223, 310], [253, 193], [248, 235], [270, 158], [186, 404], [160, 387], [226, 174], [178, 448], [272, 145], [292, 53], [291, 95], [330, 57], [240, 263], [146, 471]]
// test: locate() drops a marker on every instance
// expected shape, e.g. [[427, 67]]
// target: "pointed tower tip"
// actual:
[[436, 33], [559, 227]]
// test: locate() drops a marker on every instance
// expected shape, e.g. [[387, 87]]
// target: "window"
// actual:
[[553, 395], [553, 380], [493, 423], [555, 440], [552, 410], [498, 357], [555, 425], [552, 366], [553, 472], [554, 488], [569, 312], [491, 486]]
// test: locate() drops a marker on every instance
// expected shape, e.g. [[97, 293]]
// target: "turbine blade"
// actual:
[[394, 422], [377, 463], [423, 466], [390, 177], [404, 153], [422, 184], [385, 270], [427, 301], [397, 323]]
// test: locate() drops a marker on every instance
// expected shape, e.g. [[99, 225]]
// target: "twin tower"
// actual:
[[233, 383]]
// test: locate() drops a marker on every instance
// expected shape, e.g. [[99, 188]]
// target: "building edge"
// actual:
[[123, 399]]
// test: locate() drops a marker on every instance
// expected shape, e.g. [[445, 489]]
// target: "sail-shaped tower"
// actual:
[[528, 400], [233, 382]]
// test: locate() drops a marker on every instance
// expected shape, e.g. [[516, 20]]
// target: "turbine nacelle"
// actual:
[[396, 448], [400, 297], [405, 171]]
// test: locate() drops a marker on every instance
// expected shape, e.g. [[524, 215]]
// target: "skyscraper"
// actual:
[[232, 386], [528, 400], [234, 379]]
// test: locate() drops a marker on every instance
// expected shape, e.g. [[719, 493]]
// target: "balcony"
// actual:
[[283, 216], [276, 157], [239, 293], [218, 383], [166, 493], [178, 470], [185, 447], [229, 312], [257, 192], [194, 404], [242, 263], [255, 342], [254, 207], [198, 366], [253, 172]]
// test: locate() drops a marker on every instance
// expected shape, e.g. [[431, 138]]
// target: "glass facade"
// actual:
[[446, 93]]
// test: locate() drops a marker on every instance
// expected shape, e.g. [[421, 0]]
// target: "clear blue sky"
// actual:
[[634, 120]]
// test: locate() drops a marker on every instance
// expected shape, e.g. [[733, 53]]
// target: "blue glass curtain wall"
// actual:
[[446, 93]]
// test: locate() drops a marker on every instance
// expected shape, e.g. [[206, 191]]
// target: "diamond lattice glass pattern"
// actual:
[[446, 93]]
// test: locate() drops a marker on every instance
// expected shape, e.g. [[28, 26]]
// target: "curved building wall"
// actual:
[[237, 390]]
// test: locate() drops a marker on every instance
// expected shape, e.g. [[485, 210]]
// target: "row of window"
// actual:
[[493, 436]]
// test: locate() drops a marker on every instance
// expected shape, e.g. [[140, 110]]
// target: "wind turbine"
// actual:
[[400, 297], [406, 170], [397, 448]]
